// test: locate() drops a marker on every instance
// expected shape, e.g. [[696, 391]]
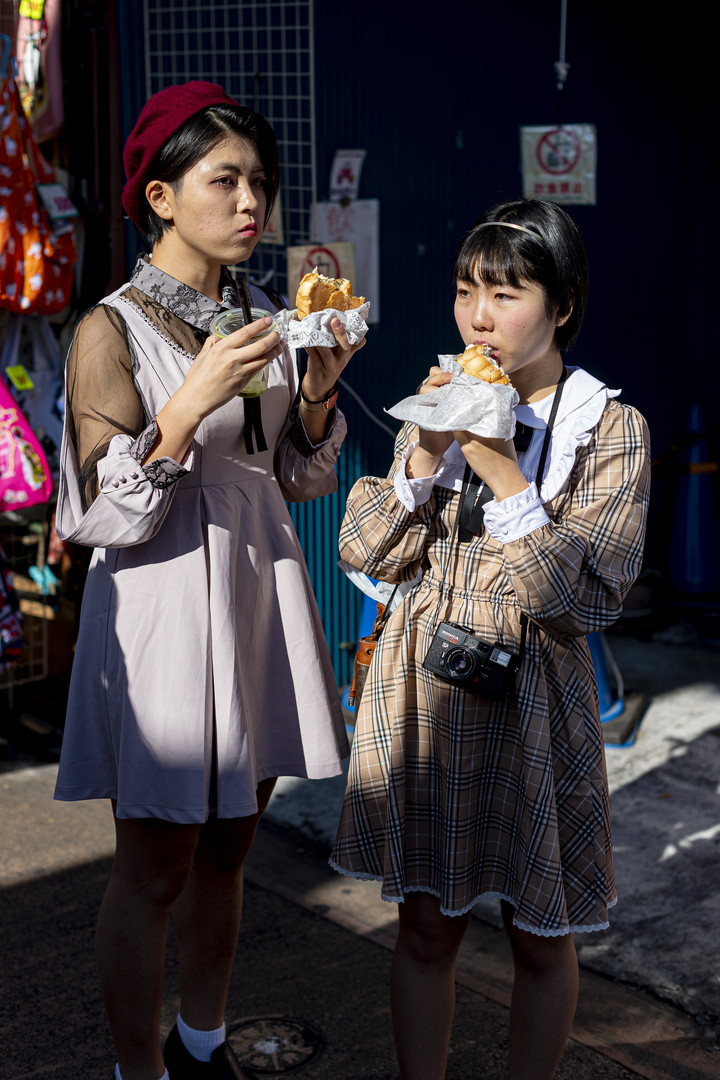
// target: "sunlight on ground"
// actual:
[[672, 721]]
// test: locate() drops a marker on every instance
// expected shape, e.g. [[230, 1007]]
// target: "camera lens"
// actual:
[[460, 663]]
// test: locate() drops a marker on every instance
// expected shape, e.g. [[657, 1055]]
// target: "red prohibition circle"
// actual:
[[324, 259], [554, 158]]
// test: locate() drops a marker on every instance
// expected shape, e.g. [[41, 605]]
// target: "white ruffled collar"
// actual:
[[582, 404]]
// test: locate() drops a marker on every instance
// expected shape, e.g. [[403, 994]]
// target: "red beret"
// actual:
[[163, 115]]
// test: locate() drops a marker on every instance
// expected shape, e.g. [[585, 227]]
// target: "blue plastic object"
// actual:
[[367, 616], [348, 711], [611, 704], [694, 563]]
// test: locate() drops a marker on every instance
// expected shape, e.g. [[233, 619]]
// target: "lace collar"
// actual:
[[190, 306]]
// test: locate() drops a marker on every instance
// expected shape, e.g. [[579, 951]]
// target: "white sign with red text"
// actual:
[[273, 231], [345, 174], [332, 260], [560, 163], [357, 223]]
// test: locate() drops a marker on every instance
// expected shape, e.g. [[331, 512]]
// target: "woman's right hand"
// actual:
[[225, 365], [218, 373], [428, 455]]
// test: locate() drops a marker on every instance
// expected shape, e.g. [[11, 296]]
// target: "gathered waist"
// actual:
[[497, 596]]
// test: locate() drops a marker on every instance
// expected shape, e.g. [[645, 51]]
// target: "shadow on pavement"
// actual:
[[291, 962]]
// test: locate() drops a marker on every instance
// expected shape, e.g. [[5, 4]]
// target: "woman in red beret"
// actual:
[[201, 671]]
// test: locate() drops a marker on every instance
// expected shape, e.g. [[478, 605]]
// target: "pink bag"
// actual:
[[25, 477]]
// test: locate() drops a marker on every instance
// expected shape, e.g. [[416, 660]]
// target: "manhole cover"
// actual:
[[274, 1044]]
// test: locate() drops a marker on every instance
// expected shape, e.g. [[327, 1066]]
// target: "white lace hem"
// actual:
[[559, 932]]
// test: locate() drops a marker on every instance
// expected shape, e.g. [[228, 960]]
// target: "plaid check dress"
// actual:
[[453, 794]]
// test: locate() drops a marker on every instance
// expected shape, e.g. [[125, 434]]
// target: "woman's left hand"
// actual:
[[325, 365], [495, 462]]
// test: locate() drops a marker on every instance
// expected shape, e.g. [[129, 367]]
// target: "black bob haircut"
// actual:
[[556, 260], [196, 138]]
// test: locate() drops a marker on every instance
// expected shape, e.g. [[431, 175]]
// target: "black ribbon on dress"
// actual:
[[253, 425], [471, 513]]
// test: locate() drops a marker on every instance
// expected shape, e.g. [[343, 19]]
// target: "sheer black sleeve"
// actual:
[[102, 399]]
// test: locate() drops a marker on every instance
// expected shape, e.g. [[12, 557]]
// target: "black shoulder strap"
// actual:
[[549, 429], [471, 512]]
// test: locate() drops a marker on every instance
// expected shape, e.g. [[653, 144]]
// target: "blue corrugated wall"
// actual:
[[317, 524]]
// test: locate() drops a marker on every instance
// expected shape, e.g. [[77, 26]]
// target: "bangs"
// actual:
[[500, 256], [204, 131], [529, 242]]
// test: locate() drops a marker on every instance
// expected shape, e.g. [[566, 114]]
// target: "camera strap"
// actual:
[[469, 520], [474, 494]]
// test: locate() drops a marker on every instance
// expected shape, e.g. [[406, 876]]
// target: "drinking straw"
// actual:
[[245, 301]]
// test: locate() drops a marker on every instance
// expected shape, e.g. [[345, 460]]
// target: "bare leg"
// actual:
[[207, 914], [422, 985], [543, 1000], [152, 861]]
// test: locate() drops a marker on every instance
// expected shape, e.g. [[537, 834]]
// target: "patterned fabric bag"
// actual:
[[36, 273], [25, 477]]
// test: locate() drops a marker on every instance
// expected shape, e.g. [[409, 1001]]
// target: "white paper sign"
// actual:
[[357, 223], [345, 174], [273, 231], [56, 201], [560, 163]]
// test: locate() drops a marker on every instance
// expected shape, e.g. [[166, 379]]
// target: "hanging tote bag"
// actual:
[[36, 273], [25, 477]]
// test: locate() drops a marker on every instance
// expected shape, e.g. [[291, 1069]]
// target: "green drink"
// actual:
[[226, 323]]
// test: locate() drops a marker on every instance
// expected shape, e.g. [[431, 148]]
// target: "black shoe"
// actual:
[[223, 1064]]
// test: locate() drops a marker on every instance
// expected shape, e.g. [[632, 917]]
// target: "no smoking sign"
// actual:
[[558, 152], [332, 260], [559, 163], [326, 261]]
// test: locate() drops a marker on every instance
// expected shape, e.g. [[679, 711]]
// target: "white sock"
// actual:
[[200, 1043], [119, 1077]]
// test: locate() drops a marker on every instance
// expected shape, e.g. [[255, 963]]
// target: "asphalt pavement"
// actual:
[[309, 992]]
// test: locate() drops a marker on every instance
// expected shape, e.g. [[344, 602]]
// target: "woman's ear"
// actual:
[[562, 319], [160, 197]]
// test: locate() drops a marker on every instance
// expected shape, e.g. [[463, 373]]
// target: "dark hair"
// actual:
[[556, 261], [196, 138]]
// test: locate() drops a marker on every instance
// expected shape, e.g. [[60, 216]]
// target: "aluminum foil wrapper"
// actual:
[[463, 404], [315, 328]]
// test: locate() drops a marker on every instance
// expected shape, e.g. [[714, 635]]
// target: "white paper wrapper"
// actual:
[[315, 328], [464, 404], [379, 590]]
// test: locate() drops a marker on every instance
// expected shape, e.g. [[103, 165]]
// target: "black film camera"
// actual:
[[460, 658]]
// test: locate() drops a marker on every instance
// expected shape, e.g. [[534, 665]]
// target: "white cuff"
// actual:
[[515, 516], [413, 493]]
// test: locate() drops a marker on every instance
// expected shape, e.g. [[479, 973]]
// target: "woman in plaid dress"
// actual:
[[451, 795]]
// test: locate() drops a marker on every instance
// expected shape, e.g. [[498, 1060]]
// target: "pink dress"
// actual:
[[201, 665]]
